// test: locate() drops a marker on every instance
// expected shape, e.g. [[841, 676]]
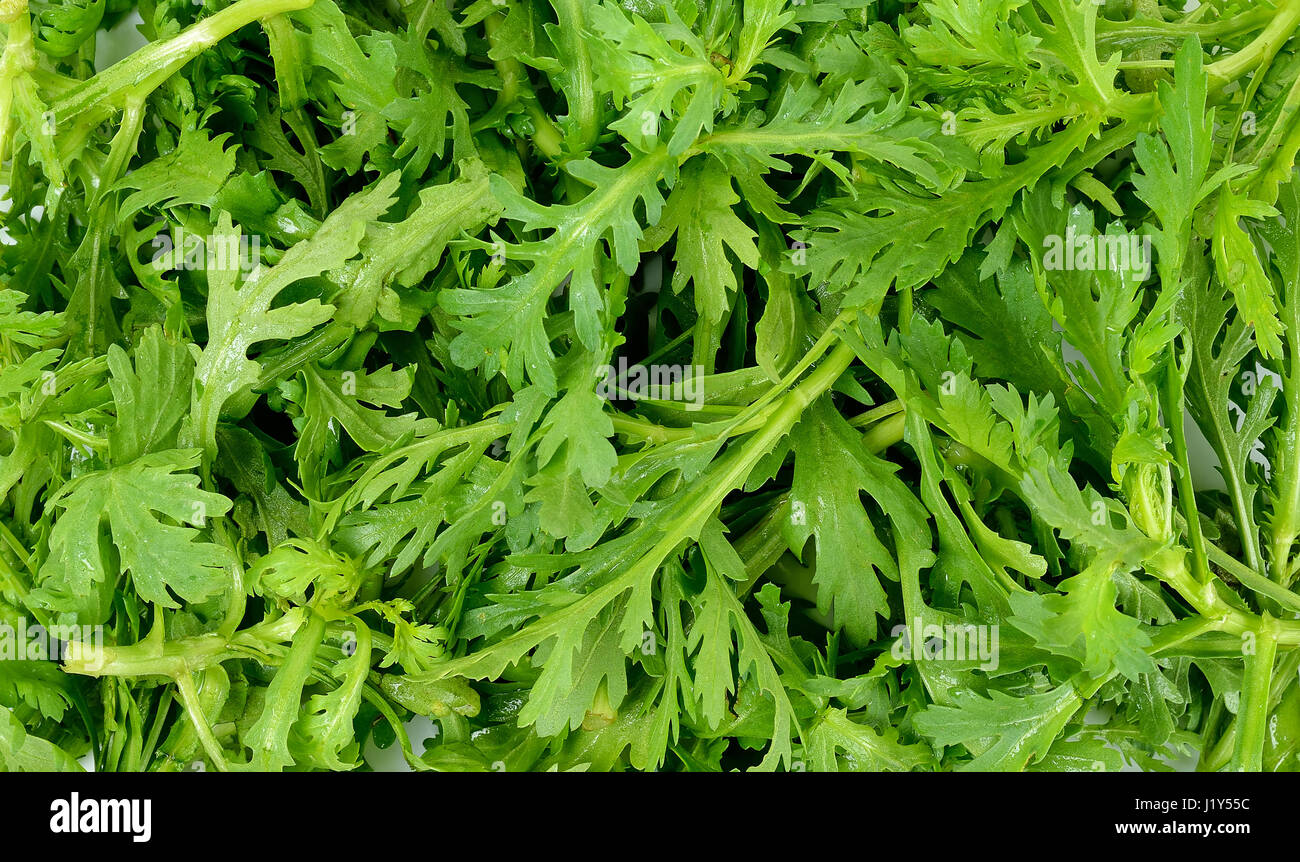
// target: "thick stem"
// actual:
[[146, 70], [172, 659], [1262, 49], [1174, 418], [18, 60], [1252, 710]]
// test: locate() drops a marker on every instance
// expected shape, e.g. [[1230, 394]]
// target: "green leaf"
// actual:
[[151, 395], [323, 736], [831, 468], [155, 514], [836, 743], [241, 315], [23, 752], [1237, 265], [700, 214], [503, 327], [1006, 734]]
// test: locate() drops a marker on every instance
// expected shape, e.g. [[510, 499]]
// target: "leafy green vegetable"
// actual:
[[692, 385]]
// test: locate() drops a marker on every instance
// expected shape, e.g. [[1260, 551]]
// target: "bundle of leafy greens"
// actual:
[[662, 384]]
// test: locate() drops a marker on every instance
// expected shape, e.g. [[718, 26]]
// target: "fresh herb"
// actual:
[[692, 385]]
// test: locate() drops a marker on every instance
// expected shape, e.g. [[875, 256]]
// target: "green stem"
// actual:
[[78, 438], [828, 338], [17, 547], [194, 709], [172, 659], [1253, 709], [1175, 634], [1172, 393], [147, 69], [517, 89], [876, 414], [1116, 35], [155, 730], [783, 417], [885, 433], [1252, 580], [17, 62], [1278, 32]]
